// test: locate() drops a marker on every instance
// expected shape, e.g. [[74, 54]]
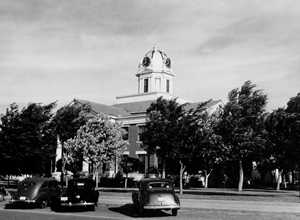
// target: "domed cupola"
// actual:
[[155, 78], [156, 61], [154, 73]]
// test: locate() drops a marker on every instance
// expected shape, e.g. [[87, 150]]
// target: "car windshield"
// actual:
[[159, 185], [81, 184], [27, 183]]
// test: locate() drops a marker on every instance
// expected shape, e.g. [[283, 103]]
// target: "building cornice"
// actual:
[[151, 72]]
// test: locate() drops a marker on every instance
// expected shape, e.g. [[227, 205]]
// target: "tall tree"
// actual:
[[99, 141], [161, 129], [293, 105], [167, 134], [67, 120], [38, 137], [209, 150], [26, 138], [293, 109], [10, 131], [241, 125], [281, 150]]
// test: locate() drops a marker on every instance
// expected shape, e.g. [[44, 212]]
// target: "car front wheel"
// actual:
[[174, 212], [141, 210]]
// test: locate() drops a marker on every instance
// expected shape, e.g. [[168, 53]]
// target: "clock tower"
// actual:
[[155, 78], [155, 73]]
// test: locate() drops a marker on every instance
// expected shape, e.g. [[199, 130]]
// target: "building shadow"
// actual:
[[129, 210]]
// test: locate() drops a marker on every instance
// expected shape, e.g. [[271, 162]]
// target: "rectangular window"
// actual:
[[157, 84], [168, 85], [146, 85], [141, 129], [125, 134]]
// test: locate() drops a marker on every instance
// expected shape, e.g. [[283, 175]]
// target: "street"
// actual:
[[118, 206]]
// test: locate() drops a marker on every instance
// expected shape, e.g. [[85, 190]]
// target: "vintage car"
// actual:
[[156, 194], [4, 194], [34, 193], [80, 193]]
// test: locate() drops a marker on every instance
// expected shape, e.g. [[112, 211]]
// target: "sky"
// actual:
[[54, 50]]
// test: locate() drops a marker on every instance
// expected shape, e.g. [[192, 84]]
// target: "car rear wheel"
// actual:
[[43, 204], [141, 210], [91, 208], [174, 212]]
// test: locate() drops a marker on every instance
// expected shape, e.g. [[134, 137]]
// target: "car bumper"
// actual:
[[21, 204], [158, 207], [77, 204]]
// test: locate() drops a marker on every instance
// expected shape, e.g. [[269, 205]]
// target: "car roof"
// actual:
[[81, 179], [37, 180], [147, 180]]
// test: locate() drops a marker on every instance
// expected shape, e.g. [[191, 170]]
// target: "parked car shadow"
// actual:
[[129, 210], [73, 209]]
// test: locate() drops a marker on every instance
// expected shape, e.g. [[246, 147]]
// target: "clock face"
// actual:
[[168, 62], [146, 61]]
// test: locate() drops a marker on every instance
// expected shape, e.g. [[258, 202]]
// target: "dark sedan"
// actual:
[[80, 193], [34, 193], [156, 194]]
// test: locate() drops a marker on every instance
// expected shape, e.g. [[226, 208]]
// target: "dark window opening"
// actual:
[[125, 134], [141, 129], [168, 85], [146, 85]]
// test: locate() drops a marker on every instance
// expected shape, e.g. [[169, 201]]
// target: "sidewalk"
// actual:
[[217, 191]]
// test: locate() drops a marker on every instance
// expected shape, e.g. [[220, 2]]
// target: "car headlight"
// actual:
[[64, 198], [31, 200], [77, 196]]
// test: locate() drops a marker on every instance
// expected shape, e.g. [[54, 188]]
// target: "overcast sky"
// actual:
[[89, 49]]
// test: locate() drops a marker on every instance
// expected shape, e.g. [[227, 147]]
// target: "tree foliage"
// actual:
[[68, 119], [98, 141], [241, 125], [279, 124], [184, 135], [27, 139], [162, 128]]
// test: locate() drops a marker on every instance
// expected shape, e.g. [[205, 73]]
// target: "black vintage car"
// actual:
[[156, 194], [34, 193], [80, 193]]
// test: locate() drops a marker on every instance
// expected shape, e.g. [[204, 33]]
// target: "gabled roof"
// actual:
[[141, 107], [210, 103], [135, 107], [106, 109], [131, 108]]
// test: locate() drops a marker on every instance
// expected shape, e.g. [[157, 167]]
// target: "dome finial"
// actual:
[[154, 47]]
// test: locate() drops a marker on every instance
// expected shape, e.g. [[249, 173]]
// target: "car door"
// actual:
[[53, 189], [43, 192]]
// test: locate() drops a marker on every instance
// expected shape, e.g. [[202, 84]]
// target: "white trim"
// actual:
[[140, 152], [126, 152]]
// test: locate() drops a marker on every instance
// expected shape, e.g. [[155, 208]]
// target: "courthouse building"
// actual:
[[155, 79]]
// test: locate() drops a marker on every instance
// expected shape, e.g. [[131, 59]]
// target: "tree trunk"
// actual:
[[163, 168], [155, 161], [97, 178], [241, 176], [182, 168], [126, 179], [207, 175], [96, 168], [8, 178], [278, 178], [62, 164]]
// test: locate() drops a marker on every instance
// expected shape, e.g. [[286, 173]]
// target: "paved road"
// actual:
[[197, 202], [118, 206]]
